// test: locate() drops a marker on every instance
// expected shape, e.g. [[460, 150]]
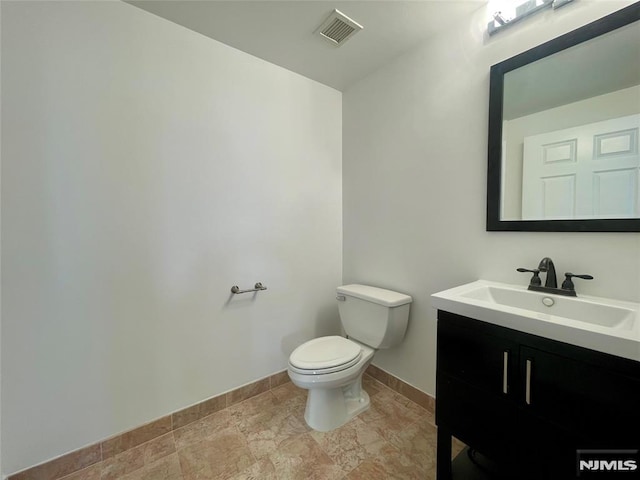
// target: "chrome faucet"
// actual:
[[546, 265]]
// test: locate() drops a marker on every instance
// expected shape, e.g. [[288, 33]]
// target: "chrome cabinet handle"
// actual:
[[505, 370], [527, 391]]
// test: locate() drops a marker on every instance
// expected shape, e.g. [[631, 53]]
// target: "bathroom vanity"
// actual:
[[525, 401]]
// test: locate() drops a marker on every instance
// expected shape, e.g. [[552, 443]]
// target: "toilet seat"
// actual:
[[325, 355]]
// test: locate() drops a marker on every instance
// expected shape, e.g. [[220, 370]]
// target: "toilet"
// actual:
[[331, 367]]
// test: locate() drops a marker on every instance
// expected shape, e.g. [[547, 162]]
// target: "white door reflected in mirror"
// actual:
[[591, 171]]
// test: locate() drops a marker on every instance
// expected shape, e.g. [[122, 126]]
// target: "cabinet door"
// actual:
[[545, 450], [489, 362], [475, 388], [600, 406], [484, 421]]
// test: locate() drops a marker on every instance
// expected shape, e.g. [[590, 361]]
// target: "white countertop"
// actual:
[[601, 324]]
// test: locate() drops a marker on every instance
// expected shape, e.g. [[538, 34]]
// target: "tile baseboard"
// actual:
[[112, 446], [419, 397], [85, 457]]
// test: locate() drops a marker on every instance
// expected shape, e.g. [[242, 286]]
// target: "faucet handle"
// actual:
[[568, 283], [535, 280]]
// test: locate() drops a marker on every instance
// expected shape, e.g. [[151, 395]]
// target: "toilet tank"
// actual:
[[373, 316]]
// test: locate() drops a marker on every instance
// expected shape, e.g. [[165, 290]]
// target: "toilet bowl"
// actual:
[[334, 383], [331, 367]]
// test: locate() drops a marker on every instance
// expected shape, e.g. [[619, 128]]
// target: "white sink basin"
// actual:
[[605, 325], [572, 308]]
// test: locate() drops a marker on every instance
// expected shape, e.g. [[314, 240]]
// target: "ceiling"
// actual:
[[282, 32]]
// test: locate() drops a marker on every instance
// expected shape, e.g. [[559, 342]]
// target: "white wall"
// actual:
[[145, 170], [414, 183]]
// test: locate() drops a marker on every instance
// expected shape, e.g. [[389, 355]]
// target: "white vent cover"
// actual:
[[338, 28]]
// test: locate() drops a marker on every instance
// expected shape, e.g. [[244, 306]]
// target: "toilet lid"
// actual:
[[325, 352]]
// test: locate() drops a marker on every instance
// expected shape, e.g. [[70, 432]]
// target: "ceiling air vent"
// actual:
[[338, 28]]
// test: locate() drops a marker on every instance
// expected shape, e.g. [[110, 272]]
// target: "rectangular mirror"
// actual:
[[564, 125]]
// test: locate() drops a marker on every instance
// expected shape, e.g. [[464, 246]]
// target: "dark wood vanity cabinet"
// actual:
[[528, 403]]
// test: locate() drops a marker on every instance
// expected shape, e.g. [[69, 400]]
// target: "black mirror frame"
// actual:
[[592, 30]]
